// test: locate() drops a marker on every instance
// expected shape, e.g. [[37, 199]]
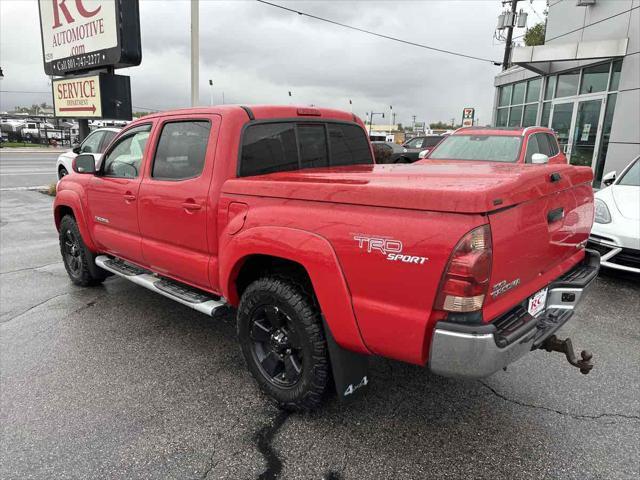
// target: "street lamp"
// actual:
[[210, 92]]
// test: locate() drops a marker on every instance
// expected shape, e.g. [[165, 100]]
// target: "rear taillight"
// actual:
[[465, 281]]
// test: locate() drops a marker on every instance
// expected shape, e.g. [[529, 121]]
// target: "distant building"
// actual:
[[584, 82]]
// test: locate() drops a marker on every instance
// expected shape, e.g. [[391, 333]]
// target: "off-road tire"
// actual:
[[80, 273], [291, 299]]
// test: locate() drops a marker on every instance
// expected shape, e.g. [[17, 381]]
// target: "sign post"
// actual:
[[84, 41]]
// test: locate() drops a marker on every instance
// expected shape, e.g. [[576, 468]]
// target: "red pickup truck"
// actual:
[[281, 213]]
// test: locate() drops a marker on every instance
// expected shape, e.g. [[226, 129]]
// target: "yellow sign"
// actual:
[[77, 97]]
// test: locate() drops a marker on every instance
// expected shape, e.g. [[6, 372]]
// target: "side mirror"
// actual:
[[609, 178], [76, 149], [539, 158], [85, 163]]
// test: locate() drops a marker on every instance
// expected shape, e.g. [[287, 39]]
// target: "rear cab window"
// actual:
[[286, 146]]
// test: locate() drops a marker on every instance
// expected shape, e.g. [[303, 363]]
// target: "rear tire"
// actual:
[[282, 340], [77, 258]]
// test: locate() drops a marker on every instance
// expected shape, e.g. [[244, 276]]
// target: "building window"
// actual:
[[604, 143], [568, 84], [546, 113], [594, 79], [515, 99], [502, 117], [549, 91], [515, 116], [615, 75], [518, 93], [505, 96], [530, 114], [533, 90]]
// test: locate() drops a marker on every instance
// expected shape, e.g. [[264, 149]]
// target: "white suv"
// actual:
[[96, 142]]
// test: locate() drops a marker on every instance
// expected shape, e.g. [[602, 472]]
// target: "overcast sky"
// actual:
[[256, 54]]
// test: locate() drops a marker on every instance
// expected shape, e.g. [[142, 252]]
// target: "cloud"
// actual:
[[256, 54]]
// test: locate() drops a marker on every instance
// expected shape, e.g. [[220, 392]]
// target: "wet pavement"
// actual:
[[118, 382]]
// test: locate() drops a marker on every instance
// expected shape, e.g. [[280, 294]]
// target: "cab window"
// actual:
[[181, 150], [125, 157], [286, 146]]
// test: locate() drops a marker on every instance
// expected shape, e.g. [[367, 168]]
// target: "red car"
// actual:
[[328, 258], [508, 145]]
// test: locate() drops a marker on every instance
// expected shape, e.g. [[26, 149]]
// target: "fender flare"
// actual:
[[319, 259], [71, 199]]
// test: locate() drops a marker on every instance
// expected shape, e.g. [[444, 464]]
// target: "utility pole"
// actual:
[[414, 123], [390, 117], [210, 92], [507, 45], [195, 52]]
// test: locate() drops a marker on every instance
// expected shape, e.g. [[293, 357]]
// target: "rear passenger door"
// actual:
[[175, 210]]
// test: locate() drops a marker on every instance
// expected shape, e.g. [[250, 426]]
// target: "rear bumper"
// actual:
[[476, 351]]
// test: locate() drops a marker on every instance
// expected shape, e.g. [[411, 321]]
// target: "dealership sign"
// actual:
[[93, 96], [80, 35]]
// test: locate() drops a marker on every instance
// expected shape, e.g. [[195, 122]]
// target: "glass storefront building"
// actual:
[[587, 91]]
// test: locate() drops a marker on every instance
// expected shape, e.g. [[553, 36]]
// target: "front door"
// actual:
[[586, 132], [174, 199], [578, 125], [113, 196]]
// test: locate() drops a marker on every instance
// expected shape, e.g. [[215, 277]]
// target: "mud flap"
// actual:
[[350, 369]]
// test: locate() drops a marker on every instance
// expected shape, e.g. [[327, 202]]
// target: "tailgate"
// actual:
[[535, 237]]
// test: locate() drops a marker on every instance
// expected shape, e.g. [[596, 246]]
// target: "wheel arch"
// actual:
[[68, 203], [261, 250]]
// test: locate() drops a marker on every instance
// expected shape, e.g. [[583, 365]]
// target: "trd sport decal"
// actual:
[[389, 247]]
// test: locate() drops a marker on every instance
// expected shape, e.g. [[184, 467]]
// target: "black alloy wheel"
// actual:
[[72, 253], [276, 346]]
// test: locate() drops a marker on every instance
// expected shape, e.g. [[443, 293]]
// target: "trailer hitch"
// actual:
[[554, 344]]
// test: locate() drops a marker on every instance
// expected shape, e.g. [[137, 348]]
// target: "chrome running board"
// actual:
[[183, 294]]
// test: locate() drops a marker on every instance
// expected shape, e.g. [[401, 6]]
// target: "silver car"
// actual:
[[96, 142]]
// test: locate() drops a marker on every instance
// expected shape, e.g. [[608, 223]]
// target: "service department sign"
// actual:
[[80, 35], [101, 95]]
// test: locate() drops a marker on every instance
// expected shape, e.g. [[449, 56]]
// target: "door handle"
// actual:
[[192, 206], [129, 197]]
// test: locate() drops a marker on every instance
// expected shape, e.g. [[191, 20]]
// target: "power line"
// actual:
[[380, 35]]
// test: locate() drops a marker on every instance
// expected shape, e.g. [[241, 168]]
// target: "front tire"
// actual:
[[76, 257], [282, 340], [62, 172]]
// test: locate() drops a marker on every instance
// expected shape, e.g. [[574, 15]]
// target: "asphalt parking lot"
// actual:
[[117, 382]]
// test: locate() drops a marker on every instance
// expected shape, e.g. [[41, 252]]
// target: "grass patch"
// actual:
[[22, 145], [51, 190]]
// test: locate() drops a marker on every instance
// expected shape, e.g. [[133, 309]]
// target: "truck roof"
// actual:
[[263, 112], [501, 131]]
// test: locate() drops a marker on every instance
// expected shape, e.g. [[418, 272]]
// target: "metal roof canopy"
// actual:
[[545, 59]]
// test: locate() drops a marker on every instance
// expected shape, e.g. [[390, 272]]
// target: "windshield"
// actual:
[[494, 148], [632, 176]]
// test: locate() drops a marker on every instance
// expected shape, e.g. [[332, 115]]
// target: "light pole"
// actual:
[[210, 92], [390, 117], [195, 52]]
